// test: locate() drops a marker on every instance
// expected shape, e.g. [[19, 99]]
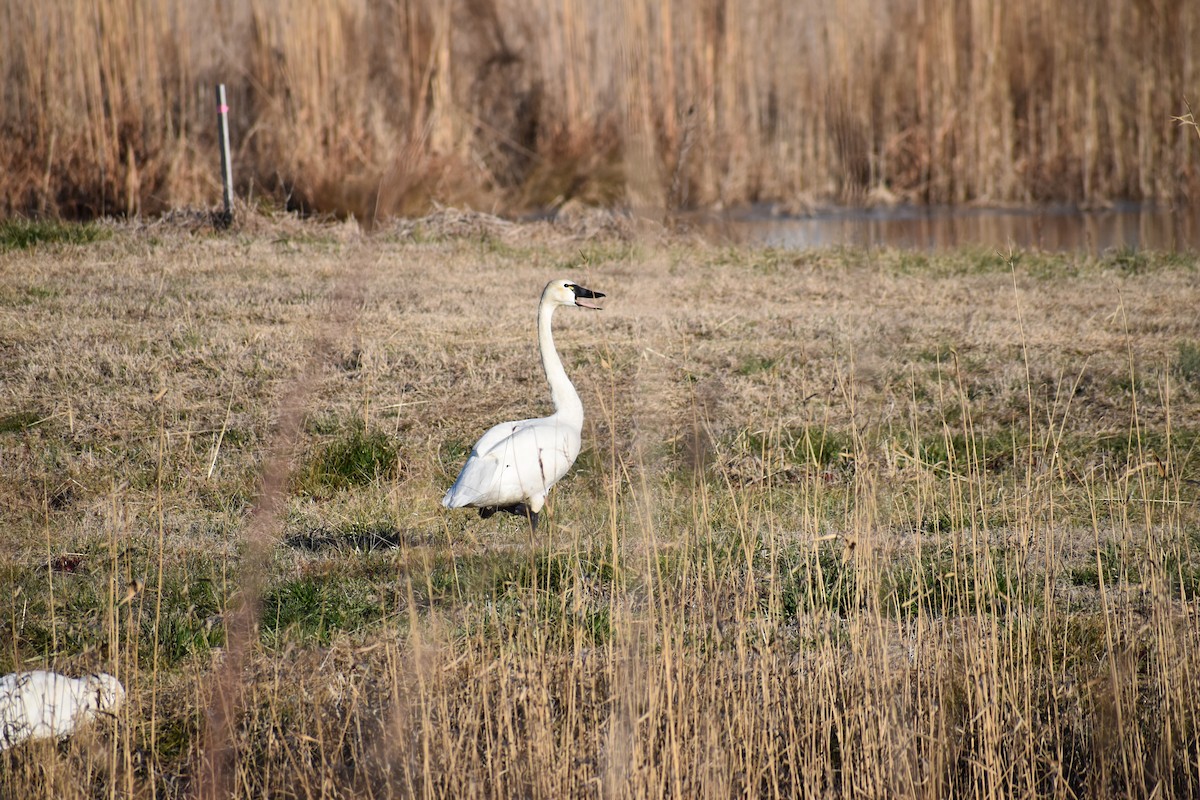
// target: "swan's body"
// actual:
[[46, 705], [514, 464]]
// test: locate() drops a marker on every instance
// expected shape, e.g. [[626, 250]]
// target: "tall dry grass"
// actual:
[[848, 524], [377, 107]]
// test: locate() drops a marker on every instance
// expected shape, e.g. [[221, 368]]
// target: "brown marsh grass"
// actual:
[[846, 523], [381, 107]]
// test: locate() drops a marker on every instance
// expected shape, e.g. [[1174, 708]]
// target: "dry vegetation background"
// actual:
[[379, 107], [846, 523]]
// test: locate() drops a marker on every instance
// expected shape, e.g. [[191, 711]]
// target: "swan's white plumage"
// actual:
[[41, 704], [517, 462]]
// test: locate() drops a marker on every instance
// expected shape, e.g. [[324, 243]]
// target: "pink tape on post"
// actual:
[[223, 109]]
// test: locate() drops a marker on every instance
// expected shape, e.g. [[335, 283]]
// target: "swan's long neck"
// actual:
[[567, 405]]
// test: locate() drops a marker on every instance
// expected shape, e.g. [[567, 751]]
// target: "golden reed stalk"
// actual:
[[378, 107]]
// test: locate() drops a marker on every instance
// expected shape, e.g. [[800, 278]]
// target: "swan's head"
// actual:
[[105, 694], [569, 293]]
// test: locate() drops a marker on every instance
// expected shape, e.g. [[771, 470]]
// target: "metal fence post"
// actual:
[[226, 218]]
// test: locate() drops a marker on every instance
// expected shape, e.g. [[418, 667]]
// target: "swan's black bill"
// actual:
[[582, 294]]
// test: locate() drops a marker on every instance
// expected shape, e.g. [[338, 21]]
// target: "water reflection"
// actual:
[[921, 228]]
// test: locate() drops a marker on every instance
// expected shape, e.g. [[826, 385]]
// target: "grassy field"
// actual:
[[846, 523], [384, 107]]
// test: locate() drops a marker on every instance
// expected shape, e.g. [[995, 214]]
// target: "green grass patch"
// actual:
[[753, 365], [1112, 565], [805, 445], [19, 421], [1187, 361], [941, 353], [595, 253], [949, 265], [937, 584], [565, 594], [811, 581], [312, 609], [63, 608], [944, 584], [178, 727], [994, 452], [1127, 448], [191, 621], [1106, 568], [1183, 576], [355, 458], [21, 296], [22, 234], [352, 537]]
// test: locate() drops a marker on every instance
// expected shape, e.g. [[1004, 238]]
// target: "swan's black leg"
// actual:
[[517, 509], [522, 510]]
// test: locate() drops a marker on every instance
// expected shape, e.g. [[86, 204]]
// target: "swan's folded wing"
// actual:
[[476, 483], [498, 433], [514, 462], [533, 459]]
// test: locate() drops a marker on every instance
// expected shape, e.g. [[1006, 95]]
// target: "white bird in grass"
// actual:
[[41, 704], [514, 464]]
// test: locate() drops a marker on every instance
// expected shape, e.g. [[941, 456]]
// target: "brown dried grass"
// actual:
[[381, 107], [652, 643]]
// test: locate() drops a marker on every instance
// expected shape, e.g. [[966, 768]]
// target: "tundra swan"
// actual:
[[514, 464], [47, 705]]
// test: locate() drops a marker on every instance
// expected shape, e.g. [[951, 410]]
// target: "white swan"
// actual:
[[41, 704], [514, 464]]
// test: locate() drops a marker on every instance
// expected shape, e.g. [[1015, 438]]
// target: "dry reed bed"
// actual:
[[847, 523], [377, 107]]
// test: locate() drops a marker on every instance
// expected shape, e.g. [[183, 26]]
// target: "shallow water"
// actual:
[[1172, 228]]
